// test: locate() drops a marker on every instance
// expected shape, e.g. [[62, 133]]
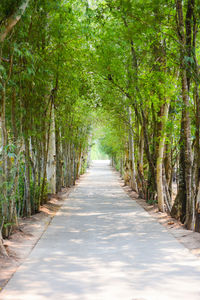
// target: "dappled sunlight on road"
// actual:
[[103, 246]]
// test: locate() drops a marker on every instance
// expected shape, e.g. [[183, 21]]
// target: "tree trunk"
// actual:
[[4, 136], [133, 182], [27, 177], [126, 167], [196, 163], [159, 163], [58, 159], [179, 207], [52, 158], [3, 251], [189, 222]]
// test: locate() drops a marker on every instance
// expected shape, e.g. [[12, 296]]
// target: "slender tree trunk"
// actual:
[[133, 182], [196, 177], [58, 158], [74, 164], [186, 117], [159, 163], [3, 251], [4, 179], [126, 167], [141, 149], [121, 165], [13, 118], [179, 207], [141, 184], [27, 177], [197, 162], [13, 220], [46, 149], [4, 175]]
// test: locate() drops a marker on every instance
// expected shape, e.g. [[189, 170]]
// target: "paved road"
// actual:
[[103, 246]]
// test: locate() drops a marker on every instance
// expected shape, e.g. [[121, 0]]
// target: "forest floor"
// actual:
[[23, 240]]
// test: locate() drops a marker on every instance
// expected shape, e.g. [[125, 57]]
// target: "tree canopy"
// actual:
[[128, 67]]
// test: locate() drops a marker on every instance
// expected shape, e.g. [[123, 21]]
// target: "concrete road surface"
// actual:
[[103, 246]]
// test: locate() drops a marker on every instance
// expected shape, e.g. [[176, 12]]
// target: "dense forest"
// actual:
[[129, 67]]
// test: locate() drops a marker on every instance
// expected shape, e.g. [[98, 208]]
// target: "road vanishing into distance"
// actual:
[[102, 245]]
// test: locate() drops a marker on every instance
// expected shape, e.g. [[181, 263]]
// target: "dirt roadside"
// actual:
[[188, 238], [23, 239]]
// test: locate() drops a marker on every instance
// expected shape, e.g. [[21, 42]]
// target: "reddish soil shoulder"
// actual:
[[188, 238], [24, 238]]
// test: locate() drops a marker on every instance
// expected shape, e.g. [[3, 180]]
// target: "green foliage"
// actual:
[[97, 151], [8, 7], [86, 64]]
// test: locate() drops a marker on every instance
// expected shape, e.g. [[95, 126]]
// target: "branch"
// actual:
[[110, 78]]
